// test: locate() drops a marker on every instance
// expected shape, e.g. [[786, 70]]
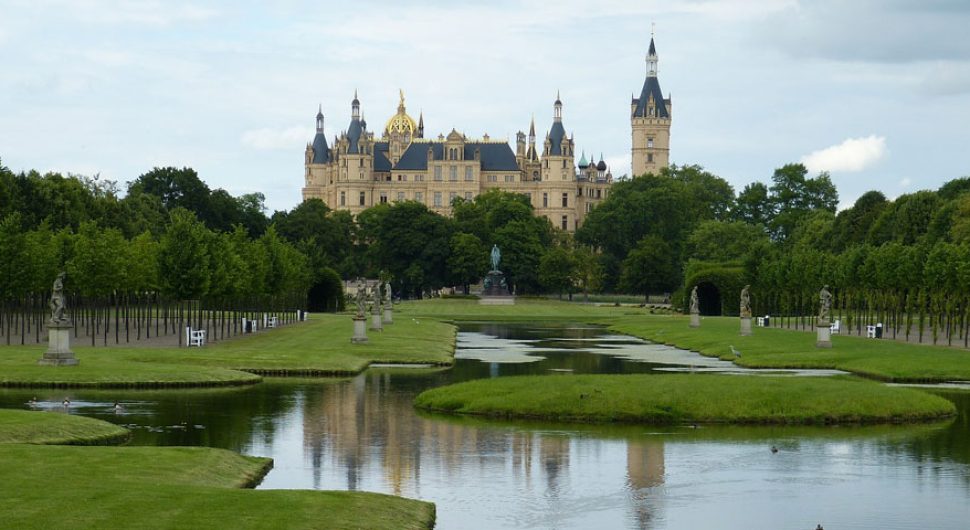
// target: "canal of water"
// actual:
[[362, 434]]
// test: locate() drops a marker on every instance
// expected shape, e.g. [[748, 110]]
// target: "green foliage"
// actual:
[[184, 257], [468, 260], [651, 267], [557, 269], [794, 196], [729, 279], [723, 240], [522, 248]]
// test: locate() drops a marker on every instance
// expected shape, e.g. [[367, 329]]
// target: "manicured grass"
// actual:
[[51, 487], [34, 427], [109, 368], [779, 348], [663, 399], [320, 346], [527, 309]]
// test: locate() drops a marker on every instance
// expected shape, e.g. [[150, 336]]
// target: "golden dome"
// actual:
[[401, 122]]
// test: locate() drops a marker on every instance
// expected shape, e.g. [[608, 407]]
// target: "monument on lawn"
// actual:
[[496, 290], [746, 311], [59, 329], [823, 326], [695, 309], [377, 319], [388, 304], [360, 318]]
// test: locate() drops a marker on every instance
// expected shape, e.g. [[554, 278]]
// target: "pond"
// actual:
[[362, 434]]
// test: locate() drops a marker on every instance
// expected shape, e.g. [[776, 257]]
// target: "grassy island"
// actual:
[[677, 398], [28, 427]]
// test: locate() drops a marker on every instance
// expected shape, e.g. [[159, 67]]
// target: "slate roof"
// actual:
[[556, 134], [381, 162], [653, 49], [353, 135], [494, 156], [651, 87], [321, 153]]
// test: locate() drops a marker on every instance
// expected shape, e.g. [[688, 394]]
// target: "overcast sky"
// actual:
[[875, 92]]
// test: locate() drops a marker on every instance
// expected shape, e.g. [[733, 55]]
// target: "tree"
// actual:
[[650, 267], [753, 205], [723, 240], [184, 257], [468, 261], [557, 269], [521, 249], [589, 270], [177, 188], [852, 225], [794, 196]]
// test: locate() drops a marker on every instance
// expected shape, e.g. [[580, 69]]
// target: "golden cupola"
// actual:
[[401, 123]]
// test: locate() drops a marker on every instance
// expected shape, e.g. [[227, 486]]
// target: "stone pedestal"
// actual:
[[496, 290], [360, 330], [59, 347], [376, 323], [388, 315], [745, 326], [823, 335], [695, 320]]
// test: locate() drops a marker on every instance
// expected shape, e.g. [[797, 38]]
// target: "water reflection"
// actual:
[[363, 434]]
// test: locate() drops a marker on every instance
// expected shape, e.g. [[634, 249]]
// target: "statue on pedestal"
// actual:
[[825, 305], [496, 257], [746, 302], [695, 308], [58, 302], [361, 298]]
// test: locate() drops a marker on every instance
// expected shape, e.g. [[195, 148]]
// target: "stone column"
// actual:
[[745, 326], [823, 334], [360, 330], [59, 346]]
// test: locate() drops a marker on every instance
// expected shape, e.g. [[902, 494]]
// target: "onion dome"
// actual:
[[601, 166]]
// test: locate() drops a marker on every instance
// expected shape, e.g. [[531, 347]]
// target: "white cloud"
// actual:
[[277, 139], [905, 183], [854, 154]]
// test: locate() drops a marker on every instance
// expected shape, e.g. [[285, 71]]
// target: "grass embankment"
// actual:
[[320, 346], [51, 487], [664, 399], [525, 309], [885, 360], [27, 427]]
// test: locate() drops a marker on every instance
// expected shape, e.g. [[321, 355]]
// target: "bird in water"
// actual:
[[32, 402], [119, 407], [735, 352], [774, 449], [66, 402]]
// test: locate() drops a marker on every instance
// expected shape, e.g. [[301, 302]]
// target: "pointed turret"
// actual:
[[583, 164], [321, 151], [421, 124], [556, 133], [355, 128]]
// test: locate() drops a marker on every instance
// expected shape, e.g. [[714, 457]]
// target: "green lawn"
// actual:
[[886, 360], [527, 309], [678, 398], [53, 487], [35, 427], [320, 346]]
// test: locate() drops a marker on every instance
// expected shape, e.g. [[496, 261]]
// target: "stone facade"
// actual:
[[360, 170]]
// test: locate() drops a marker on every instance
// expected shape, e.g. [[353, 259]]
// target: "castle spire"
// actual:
[[652, 58], [355, 107], [557, 109], [320, 119]]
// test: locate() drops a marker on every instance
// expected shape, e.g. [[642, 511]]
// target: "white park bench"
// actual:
[[194, 337], [270, 322], [836, 327], [871, 330]]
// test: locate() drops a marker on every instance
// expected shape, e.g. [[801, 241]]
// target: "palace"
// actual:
[[359, 171]]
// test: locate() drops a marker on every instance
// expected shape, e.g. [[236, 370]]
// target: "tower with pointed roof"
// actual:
[[650, 116]]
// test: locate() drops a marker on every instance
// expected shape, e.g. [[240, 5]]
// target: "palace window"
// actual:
[[545, 200], [363, 198], [468, 195], [453, 173], [437, 173], [400, 196], [419, 178], [649, 157], [437, 199], [383, 197], [589, 206], [343, 198], [565, 200], [469, 176], [528, 195], [565, 222], [649, 142], [493, 178], [598, 193], [564, 164], [419, 196], [451, 198], [509, 178]]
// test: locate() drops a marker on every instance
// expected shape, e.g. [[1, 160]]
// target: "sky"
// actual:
[[876, 92]]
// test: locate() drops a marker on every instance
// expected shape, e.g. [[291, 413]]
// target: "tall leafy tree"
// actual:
[[468, 261], [184, 257], [650, 267]]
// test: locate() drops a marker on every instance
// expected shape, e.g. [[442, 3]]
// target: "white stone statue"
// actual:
[[58, 302], [746, 302], [695, 308], [825, 304], [361, 298]]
